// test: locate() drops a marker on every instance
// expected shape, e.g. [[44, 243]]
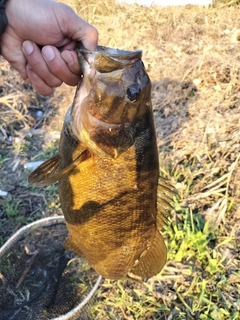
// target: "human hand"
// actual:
[[56, 28]]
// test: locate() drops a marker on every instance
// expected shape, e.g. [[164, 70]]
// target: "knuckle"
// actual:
[[93, 32]]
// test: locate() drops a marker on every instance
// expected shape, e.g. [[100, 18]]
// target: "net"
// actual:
[[41, 280]]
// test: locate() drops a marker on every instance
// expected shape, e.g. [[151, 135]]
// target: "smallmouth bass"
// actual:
[[108, 169]]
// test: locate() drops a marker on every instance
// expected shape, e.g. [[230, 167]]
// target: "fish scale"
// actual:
[[108, 170]]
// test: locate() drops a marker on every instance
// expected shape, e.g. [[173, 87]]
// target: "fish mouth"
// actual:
[[105, 59]]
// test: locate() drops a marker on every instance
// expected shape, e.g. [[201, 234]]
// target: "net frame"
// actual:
[[47, 222]]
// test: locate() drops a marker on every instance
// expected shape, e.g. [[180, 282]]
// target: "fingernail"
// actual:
[[28, 47], [67, 56], [48, 53]]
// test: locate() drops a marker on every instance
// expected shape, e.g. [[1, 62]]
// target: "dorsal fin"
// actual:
[[166, 192]]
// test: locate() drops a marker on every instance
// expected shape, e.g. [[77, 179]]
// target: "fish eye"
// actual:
[[133, 92]]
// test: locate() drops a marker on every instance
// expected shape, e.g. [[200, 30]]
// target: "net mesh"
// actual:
[[41, 280]]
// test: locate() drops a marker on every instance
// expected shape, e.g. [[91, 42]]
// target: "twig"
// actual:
[[26, 270]]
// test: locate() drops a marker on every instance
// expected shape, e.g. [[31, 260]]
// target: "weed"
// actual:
[[10, 207]]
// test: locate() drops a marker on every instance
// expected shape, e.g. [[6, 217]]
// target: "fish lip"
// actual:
[[105, 59], [111, 52], [124, 56]]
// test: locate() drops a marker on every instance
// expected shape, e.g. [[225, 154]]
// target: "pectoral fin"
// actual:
[[49, 173], [152, 260]]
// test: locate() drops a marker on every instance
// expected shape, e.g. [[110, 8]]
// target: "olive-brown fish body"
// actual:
[[110, 205], [108, 168]]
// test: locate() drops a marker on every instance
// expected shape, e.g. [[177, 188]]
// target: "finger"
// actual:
[[59, 68], [38, 64], [69, 46], [78, 29], [89, 37], [71, 59], [38, 84]]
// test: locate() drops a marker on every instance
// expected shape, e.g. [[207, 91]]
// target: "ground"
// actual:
[[192, 55]]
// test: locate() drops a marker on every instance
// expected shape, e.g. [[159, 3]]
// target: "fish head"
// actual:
[[112, 96]]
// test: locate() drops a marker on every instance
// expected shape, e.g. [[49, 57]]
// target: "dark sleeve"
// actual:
[[3, 17]]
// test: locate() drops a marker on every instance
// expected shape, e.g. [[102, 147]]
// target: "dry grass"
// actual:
[[192, 55]]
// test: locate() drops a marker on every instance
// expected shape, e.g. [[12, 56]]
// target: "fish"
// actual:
[[107, 168]]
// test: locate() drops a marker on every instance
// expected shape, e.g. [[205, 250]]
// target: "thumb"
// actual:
[[78, 29]]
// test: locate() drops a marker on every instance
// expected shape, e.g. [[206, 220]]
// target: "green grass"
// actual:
[[49, 151], [10, 207], [194, 243]]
